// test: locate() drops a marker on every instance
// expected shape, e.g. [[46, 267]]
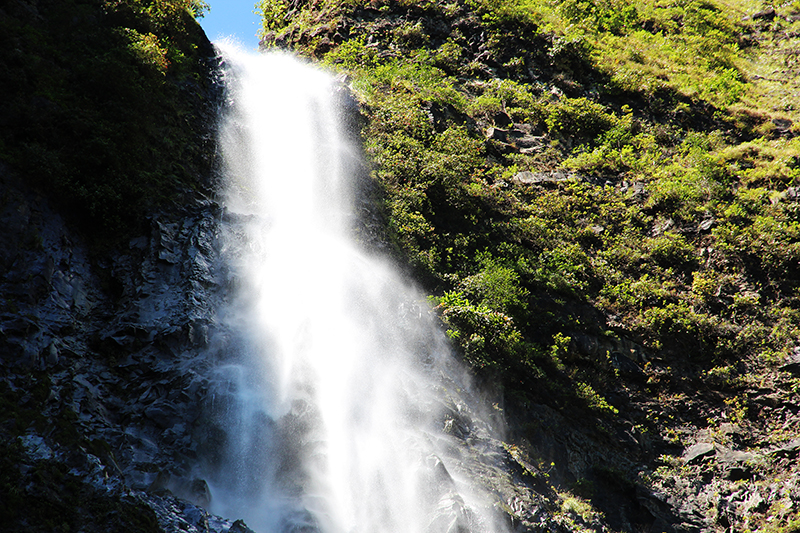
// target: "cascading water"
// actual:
[[341, 407]]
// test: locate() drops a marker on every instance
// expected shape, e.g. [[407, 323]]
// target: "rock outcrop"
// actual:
[[103, 367]]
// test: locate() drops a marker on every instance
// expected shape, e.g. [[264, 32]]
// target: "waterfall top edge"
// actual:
[[231, 48]]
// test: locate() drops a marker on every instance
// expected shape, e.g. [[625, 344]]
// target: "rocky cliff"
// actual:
[[107, 265], [102, 388]]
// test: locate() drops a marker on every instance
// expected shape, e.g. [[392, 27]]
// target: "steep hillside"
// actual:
[[601, 198]]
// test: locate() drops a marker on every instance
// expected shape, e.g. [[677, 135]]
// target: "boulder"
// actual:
[[782, 125], [52, 354], [624, 364], [767, 14], [792, 363], [735, 465], [200, 493], [790, 449], [162, 413], [695, 454], [519, 138], [540, 178], [706, 224], [240, 527]]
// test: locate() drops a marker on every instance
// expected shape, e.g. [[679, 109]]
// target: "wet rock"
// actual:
[[161, 483], [198, 334], [162, 413], [441, 477], [165, 235], [52, 354], [31, 355], [200, 492], [240, 527], [452, 515], [174, 514]]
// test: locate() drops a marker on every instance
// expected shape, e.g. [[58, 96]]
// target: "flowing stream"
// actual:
[[340, 406]]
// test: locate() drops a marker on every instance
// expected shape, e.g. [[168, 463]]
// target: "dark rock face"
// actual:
[[103, 368], [101, 373]]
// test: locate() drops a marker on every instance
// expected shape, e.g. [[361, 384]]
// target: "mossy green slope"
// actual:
[[599, 196]]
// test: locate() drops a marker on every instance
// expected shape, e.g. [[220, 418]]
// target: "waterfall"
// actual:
[[338, 404]]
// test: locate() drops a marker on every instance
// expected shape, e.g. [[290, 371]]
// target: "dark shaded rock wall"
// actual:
[[103, 369], [107, 264]]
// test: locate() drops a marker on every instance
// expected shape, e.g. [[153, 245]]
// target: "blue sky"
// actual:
[[231, 18]]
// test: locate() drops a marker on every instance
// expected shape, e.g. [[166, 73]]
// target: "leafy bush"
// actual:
[[670, 249], [273, 15], [579, 117], [497, 287], [487, 338], [148, 49]]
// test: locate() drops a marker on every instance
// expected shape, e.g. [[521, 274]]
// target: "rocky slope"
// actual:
[[112, 410], [99, 399]]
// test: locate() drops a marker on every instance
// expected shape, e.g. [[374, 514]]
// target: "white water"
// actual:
[[335, 389]]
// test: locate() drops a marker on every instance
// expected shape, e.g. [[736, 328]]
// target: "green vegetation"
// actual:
[[677, 218], [577, 182], [102, 102]]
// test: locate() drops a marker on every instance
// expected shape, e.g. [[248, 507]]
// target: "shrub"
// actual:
[[497, 287], [148, 49], [579, 117], [670, 249], [488, 338], [273, 15]]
